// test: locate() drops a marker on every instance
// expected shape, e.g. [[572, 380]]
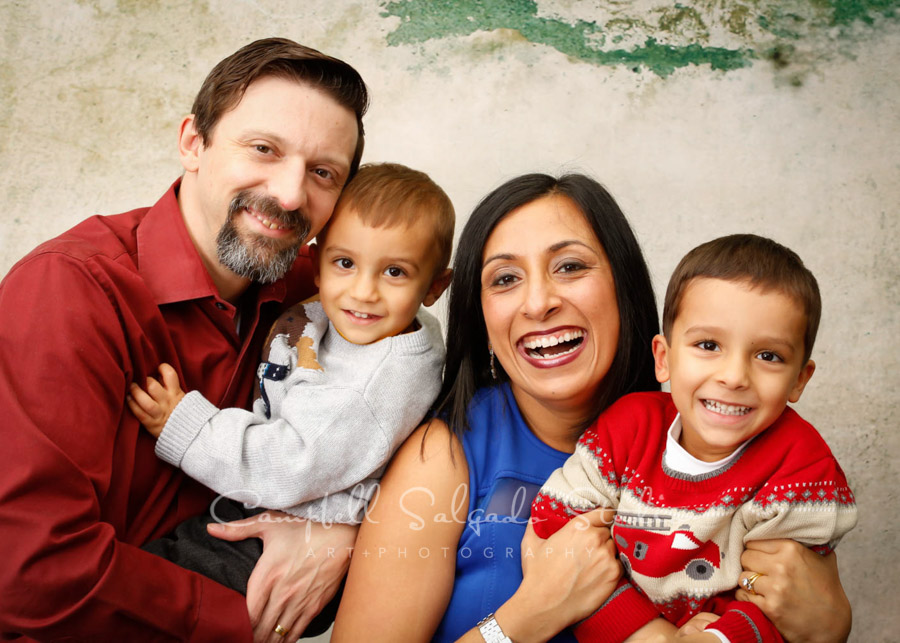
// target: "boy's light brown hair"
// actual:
[[758, 261], [384, 195]]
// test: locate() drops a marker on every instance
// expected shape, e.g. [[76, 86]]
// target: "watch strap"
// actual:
[[491, 631]]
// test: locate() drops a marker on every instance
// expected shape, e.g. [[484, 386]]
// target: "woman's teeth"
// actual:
[[546, 341], [537, 355], [535, 345], [726, 409]]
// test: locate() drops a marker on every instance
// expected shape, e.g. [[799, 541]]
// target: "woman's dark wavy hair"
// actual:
[[468, 365]]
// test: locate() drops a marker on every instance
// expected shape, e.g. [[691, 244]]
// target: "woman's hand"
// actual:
[[566, 578], [698, 623], [799, 590], [300, 570]]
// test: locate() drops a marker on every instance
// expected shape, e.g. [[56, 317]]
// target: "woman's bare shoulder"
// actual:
[[433, 447]]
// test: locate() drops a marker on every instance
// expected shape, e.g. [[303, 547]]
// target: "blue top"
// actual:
[[507, 466]]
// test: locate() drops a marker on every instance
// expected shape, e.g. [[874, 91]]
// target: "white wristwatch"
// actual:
[[490, 630]]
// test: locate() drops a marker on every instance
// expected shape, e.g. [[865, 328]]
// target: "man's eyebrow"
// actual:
[[281, 141], [260, 133]]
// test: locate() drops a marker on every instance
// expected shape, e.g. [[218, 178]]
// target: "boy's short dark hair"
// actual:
[[225, 85], [760, 262], [390, 194]]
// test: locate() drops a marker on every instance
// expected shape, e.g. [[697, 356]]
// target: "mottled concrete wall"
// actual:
[[781, 118]]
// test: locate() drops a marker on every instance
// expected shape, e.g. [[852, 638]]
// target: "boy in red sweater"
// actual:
[[695, 474]]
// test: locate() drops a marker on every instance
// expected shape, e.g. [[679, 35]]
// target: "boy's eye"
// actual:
[[344, 263], [394, 271], [707, 345], [769, 356]]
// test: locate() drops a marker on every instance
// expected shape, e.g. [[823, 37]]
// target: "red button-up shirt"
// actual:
[[81, 317]]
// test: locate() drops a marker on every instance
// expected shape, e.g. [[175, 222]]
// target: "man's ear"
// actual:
[[661, 358], [438, 286], [805, 373], [189, 144], [314, 255]]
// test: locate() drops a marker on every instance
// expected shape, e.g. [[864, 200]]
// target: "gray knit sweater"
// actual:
[[336, 419]]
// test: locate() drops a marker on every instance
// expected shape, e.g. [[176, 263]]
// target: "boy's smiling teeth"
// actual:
[[536, 345], [726, 409], [361, 315]]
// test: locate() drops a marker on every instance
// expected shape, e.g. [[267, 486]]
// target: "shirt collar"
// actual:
[[678, 459], [169, 262]]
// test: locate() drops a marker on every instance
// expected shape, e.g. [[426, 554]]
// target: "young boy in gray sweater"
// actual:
[[345, 377]]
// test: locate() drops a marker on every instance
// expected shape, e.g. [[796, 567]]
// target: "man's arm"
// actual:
[[66, 507]]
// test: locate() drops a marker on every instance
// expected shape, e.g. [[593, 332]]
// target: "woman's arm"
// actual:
[[799, 590], [566, 578], [402, 569]]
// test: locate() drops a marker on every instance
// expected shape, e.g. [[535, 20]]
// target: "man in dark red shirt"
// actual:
[[195, 281]]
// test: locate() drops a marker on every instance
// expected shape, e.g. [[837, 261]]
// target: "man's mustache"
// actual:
[[269, 208]]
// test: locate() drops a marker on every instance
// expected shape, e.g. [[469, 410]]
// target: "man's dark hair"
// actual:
[[226, 83]]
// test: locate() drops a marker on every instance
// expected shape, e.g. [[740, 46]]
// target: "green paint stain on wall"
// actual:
[[661, 38], [847, 11], [423, 20]]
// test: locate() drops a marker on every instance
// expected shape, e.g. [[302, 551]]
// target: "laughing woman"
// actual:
[[551, 320]]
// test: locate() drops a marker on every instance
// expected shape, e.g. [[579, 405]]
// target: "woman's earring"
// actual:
[[493, 368]]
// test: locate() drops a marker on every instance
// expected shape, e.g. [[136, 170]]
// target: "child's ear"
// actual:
[[805, 373], [661, 358], [315, 256], [438, 286], [189, 144]]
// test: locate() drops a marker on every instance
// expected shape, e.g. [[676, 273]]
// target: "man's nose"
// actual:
[[288, 186]]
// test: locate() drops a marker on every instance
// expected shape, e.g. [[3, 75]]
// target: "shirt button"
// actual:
[[220, 305]]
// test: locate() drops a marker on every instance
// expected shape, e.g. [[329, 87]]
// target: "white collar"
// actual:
[[678, 459]]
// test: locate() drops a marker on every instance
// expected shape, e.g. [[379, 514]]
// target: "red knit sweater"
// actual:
[[679, 536]]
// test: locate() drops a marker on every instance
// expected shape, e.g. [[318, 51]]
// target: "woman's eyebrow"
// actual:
[[559, 245], [556, 247], [505, 256]]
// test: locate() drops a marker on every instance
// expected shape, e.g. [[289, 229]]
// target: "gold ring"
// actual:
[[280, 631], [747, 583]]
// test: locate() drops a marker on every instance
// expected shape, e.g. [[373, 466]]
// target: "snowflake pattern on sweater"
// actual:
[[680, 536]]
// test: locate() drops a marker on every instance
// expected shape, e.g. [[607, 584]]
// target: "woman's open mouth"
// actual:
[[553, 346]]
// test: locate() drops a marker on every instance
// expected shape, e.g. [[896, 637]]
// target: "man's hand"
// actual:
[[300, 570], [154, 406]]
